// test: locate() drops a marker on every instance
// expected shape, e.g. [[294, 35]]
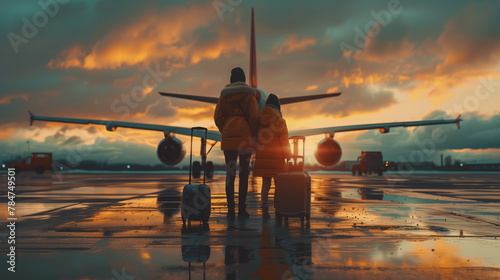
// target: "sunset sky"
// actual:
[[393, 61]]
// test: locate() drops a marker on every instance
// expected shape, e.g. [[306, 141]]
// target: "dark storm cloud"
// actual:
[[60, 138], [357, 101], [471, 39], [428, 142], [476, 132], [92, 130], [161, 108], [74, 153], [73, 140]]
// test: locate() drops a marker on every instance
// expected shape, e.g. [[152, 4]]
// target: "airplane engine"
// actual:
[[170, 151], [328, 152]]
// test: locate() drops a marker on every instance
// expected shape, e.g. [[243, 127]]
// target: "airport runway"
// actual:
[[128, 226]]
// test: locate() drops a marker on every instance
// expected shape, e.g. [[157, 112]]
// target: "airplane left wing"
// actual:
[[382, 127], [113, 125]]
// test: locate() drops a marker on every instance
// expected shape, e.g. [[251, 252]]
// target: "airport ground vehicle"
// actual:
[[38, 162], [369, 162]]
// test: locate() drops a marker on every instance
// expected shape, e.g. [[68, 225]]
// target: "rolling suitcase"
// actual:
[[196, 198], [292, 196]]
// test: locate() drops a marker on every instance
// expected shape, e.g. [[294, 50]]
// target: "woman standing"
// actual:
[[272, 148]]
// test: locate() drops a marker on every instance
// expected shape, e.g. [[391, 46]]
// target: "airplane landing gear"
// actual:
[[209, 165], [209, 169]]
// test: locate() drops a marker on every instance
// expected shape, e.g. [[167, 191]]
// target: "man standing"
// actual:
[[236, 116]]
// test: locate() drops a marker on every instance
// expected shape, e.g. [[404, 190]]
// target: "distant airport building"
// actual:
[[481, 166], [415, 165], [393, 165]]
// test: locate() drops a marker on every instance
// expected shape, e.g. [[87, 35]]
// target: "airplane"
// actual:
[[171, 151]]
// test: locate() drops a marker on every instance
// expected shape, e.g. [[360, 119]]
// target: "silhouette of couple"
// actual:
[[244, 131]]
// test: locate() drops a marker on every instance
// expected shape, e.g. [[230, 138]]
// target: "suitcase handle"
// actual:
[[295, 156], [203, 151]]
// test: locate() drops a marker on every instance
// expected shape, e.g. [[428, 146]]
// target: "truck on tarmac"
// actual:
[[369, 162], [38, 162]]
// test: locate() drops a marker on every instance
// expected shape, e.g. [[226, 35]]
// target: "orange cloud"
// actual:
[[70, 57], [332, 89], [169, 35], [312, 87], [127, 82], [7, 131], [382, 51], [355, 77], [294, 44], [6, 99]]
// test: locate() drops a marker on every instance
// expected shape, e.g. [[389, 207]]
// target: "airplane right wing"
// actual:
[[382, 127]]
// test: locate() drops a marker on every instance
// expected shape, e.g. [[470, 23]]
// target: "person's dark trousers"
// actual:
[[231, 158]]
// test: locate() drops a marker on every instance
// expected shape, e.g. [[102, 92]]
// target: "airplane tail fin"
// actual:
[[253, 57]]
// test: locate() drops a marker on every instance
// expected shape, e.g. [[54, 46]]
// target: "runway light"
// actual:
[[60, 168], [461, 164], [3, 165], [128, 166]]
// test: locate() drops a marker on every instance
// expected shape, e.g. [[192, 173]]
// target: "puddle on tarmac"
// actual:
[[375, 194], [32, 210]]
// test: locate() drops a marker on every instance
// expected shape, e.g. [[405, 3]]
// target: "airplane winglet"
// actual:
[[32, 118], [458, 121]]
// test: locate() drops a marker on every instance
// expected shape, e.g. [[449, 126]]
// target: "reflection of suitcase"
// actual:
[[292, 196], [196, 198], [196, 254]]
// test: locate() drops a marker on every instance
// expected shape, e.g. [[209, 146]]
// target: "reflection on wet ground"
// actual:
[[115, 226]]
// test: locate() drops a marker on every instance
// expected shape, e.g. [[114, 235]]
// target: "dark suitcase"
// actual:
[[196, 198], [292, 196]]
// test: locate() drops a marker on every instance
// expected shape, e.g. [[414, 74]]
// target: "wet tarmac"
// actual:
[[128, 226]]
